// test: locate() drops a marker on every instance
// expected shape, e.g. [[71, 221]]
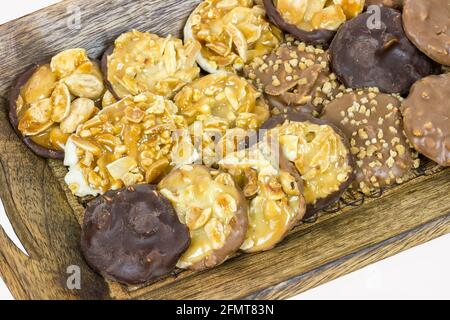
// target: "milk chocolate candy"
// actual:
[[426, 114], [373, 123], [295, 76], [427, 25]]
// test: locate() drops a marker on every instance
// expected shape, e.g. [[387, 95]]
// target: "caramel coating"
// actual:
[[141, 62], [322, 158], [52, 99], [274, 190], [318, 14], [231, 33], [127, 143], [214, 210], [223, 96]]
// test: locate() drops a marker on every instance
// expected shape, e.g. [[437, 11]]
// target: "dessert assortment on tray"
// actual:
[[186, 151]]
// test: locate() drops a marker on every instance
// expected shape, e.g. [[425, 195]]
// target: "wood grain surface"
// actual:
[[46, 216]]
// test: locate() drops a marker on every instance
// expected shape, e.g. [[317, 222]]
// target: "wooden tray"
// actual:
[[45, 216]]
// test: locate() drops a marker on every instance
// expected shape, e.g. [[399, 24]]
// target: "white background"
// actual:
[[419, 273]]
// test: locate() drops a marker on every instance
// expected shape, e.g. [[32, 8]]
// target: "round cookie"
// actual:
[[214, 210], [426, 114], [295, 76], [230, 33], [382, 56], [373, 122], [49, 100], [321, 154], [427, 25], [127, 143], [314, 22], [274, 190], [133, 235], [141, 62], [397, 4]]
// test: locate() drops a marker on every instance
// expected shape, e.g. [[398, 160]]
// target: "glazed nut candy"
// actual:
[[126, 143], [231, 33], [266, 114], [51, 99]]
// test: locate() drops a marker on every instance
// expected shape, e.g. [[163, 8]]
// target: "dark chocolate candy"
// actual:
[[332, 198], [133, 235], [321, 37], [364, 54], [13, 117]]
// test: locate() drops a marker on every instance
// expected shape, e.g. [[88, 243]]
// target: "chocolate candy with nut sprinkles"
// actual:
[[426, 114], [373, 122], [366, 55], [133, 235], [427, 25], [294, 77]]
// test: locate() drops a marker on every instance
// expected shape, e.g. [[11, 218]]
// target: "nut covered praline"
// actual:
[[274, 191], [52, 98], [140, 62], [214, 210], [314, 22], [374, 125], [321, 154]]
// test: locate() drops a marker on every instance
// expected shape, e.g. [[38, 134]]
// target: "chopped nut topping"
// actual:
[[319, 155], [231, 33], [276, 203], [319, 14], [44, 106], [206, 205], [131, 142], [289, 83], [143, 62]]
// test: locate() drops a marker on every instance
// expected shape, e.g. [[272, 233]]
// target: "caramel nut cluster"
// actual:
[[223, 96], [126, 143], [216, 103], [274, 193], [293, 75], [321, 155], [311, 15], [213, 208], [141, 62], [231, 33], [52, 99]]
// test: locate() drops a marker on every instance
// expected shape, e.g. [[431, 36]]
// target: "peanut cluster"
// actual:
[[231, 33], [126, 143], [58, 97], [311, 15]]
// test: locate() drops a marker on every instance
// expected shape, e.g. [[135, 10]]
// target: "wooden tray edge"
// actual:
[[356, 261]]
